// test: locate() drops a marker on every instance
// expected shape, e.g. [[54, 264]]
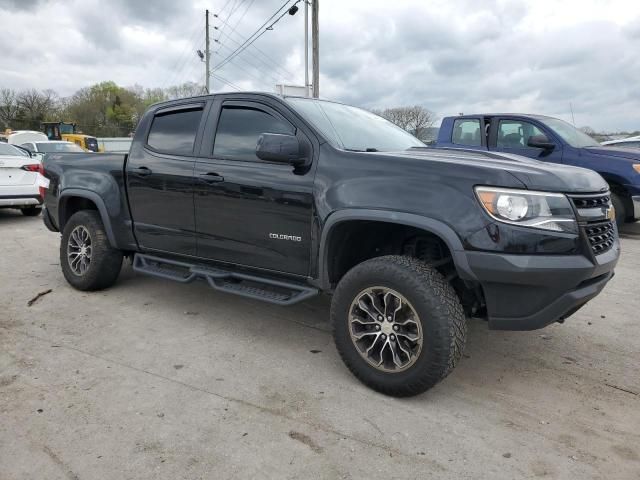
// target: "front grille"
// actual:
[[593, 215], [591, 202], [601, 236]]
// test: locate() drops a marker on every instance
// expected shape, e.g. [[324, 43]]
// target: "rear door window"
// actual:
[[175, 132], [467, 132]]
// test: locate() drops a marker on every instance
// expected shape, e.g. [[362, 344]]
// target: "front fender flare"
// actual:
[[436, 227]]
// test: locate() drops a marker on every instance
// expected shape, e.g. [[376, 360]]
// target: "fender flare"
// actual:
[[99, 203], [436, 227]]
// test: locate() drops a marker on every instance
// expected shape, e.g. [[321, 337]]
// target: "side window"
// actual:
[[467, 132], [515, 134], [239, 129], [175, 132], [28, 146]]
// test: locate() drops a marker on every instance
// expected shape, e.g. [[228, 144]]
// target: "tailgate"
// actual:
[[12, 173]]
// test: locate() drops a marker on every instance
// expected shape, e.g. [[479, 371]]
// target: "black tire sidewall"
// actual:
[[105, 261], [433, 362]]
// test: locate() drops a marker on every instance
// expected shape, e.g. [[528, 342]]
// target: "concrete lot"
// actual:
[[153, 379]]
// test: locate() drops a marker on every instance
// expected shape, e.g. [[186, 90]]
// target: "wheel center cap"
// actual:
[[83, 250], [387, 328]]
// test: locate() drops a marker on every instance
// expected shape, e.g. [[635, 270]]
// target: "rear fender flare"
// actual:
[[98, 202]]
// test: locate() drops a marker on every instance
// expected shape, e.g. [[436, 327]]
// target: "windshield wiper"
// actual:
[[365, 150]]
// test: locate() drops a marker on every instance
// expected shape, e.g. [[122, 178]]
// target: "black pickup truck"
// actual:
[[281, 198]]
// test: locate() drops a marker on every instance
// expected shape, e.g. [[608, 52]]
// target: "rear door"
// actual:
[[249, 211], [511, 135], [468, 132], [160, 180]]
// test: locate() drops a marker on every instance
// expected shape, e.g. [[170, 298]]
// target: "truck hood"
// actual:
[[617, 152], [533, 174]]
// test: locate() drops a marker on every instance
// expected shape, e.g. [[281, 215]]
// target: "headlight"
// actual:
[[636, 167], [547, 211]]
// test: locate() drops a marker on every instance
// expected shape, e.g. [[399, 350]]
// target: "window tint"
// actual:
[[175, 132], [239, 129], [466, 132], [515, 134]]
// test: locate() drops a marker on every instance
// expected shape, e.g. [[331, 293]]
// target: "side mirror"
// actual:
[[275, 147], [540, 141]]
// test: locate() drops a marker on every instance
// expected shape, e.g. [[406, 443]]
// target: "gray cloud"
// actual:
[[449, 56]]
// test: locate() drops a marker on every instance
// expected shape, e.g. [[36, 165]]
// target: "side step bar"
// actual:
[[243, 284]]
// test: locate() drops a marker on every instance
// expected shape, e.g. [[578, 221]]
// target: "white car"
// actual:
[[22, 184], [631, 142], [52, 146]]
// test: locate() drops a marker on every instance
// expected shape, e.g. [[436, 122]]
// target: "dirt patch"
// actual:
[[308, 441]]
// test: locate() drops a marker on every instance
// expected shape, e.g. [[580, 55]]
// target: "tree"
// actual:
[[412, 119], [9, 108]]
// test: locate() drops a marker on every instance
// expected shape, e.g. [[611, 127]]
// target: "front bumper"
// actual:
[[527, 292]]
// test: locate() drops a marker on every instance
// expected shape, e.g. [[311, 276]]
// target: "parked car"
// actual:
[[21, 181], [19, 137], [550, 140], [281, 198], [630, 142], [52, 146]]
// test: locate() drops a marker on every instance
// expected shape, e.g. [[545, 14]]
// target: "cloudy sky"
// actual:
[[450, 56]]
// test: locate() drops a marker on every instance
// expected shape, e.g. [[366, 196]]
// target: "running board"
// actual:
[[251, 286]]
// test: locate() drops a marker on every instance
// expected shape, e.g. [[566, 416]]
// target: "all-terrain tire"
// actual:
[[440, 314], [106, 261], [31, 211]]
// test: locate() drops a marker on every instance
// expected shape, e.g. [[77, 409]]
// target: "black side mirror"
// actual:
[[275, 147], [540, 141]]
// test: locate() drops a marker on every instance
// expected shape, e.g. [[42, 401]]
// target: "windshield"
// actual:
[[58, 147], [6, 149], [351, 128], [569, 133]]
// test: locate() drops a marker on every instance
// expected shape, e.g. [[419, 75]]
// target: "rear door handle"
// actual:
[[141, 171], [211, 177]]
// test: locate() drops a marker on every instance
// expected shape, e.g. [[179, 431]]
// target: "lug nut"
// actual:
[[392, 336], [390, 318], [383, 336], [380, 318], [395, 327], [377, 327]]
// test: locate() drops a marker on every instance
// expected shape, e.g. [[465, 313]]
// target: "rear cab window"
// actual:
[[467, 131], [174, 131]]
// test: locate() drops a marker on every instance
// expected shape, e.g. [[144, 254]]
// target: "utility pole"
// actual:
[[315, 48], [207, 52], [306, 48]]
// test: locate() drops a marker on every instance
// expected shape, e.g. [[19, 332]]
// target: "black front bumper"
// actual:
[[527, 292]]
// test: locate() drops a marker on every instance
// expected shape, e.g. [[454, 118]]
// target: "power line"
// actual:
[[271, 63], [254, 66], [184, 57], [224, 80], [258, 33]]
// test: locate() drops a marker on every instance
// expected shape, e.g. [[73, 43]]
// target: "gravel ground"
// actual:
[[153, 379]]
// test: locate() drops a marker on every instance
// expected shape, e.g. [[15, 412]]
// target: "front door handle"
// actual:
[[211, 177], [141, 171]]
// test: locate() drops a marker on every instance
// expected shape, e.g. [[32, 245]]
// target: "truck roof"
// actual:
[[524, 115]]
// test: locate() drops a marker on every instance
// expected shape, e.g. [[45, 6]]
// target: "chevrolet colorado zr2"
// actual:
[[282, 198]]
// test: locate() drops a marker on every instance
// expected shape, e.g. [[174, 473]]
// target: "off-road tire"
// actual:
[[435, 302], [106, 261], [31, 211]]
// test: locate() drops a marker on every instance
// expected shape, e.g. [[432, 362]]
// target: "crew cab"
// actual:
[[552, 140], [282, 198]]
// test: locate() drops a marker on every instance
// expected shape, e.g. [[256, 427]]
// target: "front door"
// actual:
[[160, 181], [512, 135], [249, 211]]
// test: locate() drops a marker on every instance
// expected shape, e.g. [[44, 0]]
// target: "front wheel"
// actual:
[[398, 325], [87, 259]]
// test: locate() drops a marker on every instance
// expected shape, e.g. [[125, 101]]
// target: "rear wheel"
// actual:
[[31, 211], [87, 259], [398, 325]]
